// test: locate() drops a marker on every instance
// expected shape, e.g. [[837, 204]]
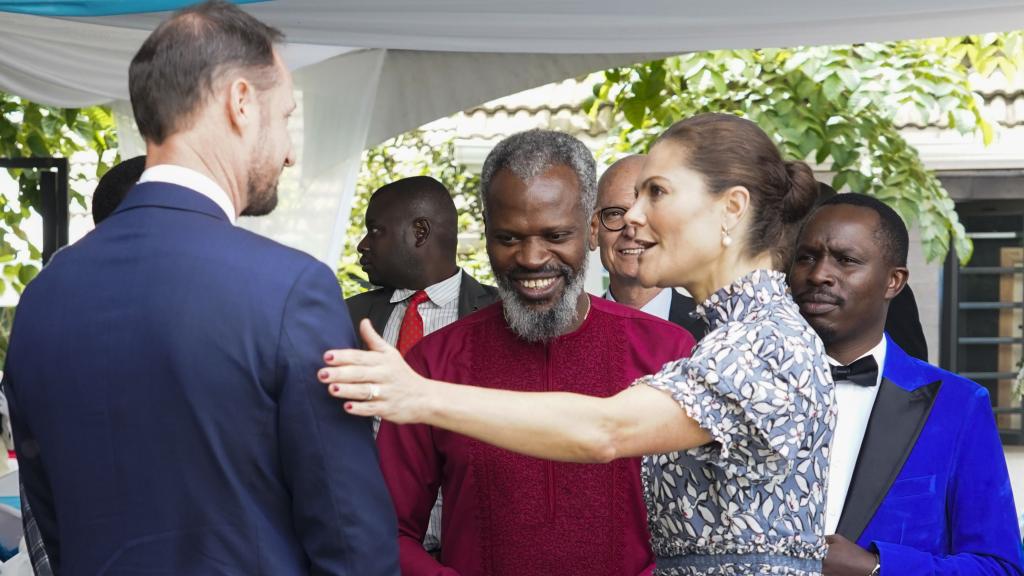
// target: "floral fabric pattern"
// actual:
[[759, 383]]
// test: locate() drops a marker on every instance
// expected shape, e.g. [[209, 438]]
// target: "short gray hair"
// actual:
[[531, 153]]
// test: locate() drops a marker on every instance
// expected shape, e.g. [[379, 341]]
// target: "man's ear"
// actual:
[[421, 231], [898, 277], [595, 223], [241, 105]]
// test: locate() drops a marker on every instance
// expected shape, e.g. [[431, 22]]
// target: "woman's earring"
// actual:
[[726, 239]]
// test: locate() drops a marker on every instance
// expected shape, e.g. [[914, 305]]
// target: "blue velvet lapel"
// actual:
[[905, 399], [165, 195]]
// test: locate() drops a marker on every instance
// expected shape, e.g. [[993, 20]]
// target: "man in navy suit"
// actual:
[[918, 481], [162, 370]]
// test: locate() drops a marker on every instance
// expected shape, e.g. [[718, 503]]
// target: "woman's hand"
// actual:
[[377, 381]]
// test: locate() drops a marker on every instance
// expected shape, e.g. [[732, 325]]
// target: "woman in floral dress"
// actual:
[[735, 481]]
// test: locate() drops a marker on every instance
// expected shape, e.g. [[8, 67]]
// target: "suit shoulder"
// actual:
[[963, 385], [368, 296], [953, 385], [266, 247], [633, 315], [471, 283], [681, 299]]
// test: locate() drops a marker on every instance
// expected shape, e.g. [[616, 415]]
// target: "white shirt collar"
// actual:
[[440, 293], [878, 352], [659, 306], [182, 176]]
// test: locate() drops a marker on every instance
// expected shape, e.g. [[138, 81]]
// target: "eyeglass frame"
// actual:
[[601, 217]]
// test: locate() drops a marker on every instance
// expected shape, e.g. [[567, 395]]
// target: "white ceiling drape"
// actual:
[[366, 70]]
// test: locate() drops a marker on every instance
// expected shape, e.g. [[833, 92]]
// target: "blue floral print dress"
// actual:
[[753, 500]]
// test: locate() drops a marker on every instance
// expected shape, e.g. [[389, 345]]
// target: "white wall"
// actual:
[[1015, 462]]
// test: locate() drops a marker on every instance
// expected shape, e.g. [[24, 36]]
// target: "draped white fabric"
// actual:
[[613, 26], [362, 98], [369, 69]]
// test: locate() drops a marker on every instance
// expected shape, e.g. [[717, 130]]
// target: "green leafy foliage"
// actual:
[[28, 130], [416, 154], [832, 105]]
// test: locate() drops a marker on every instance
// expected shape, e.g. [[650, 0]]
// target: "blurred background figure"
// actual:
[[114, 186]]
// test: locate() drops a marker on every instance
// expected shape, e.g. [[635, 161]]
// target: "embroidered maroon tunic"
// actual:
[[505, 514]]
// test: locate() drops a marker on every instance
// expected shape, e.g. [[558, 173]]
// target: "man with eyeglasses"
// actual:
[[620, 253]]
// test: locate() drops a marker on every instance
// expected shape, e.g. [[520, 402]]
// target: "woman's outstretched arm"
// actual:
[[551, 425]]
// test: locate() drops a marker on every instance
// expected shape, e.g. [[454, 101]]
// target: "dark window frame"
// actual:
[[53, 187], [952, 338]]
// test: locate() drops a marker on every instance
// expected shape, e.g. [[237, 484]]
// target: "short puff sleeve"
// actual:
[[752, 391]]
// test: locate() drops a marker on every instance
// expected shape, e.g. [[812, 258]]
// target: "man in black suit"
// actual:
[[409, 251], [620, 254]]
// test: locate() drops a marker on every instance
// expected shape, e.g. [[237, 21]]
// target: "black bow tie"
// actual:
[[863, 372]]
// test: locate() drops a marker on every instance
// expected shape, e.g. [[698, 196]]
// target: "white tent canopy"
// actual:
[[367, 70]]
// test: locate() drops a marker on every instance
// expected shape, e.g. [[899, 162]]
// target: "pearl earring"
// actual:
[[726, 239]]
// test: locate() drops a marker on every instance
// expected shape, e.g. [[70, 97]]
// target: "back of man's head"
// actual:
[[892, 233], [177, 68], [424, 197], [114, 186]]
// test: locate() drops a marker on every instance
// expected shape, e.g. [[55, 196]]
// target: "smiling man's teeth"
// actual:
[[632, 251], [542, 283]]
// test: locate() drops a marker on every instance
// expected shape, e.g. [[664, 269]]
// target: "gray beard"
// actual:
[[541, 326]]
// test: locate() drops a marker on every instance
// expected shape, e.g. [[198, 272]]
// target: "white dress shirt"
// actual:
[[174, 174], [440, 310], [854, 404], [659, 306]]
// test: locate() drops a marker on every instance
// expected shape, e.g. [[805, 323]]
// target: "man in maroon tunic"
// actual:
[[504, 514]]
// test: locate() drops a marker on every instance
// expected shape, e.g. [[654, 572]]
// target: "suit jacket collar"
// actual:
[[171, 196], [682, 314], [904, 370], [472, 296], [905, 399]]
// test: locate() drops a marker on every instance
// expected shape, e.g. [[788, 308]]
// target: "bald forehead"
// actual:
[[622, 174]]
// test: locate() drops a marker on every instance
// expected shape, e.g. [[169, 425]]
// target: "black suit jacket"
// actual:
[[903, 324], [377, 306], [682, 313]]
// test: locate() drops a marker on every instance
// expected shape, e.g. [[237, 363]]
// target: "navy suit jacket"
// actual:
[[167, 415], [930, 491]]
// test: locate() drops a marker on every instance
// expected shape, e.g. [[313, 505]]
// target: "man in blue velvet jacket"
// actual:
[[162, 370], [918, 482]]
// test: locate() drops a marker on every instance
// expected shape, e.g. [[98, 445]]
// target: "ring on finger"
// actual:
[[373, 393]]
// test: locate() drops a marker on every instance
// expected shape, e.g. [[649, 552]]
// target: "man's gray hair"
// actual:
[[529, 154]]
